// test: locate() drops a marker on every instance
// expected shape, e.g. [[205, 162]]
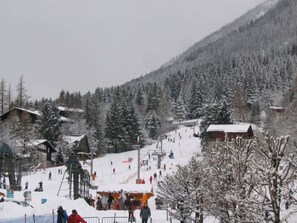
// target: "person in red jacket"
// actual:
[[75, 218]]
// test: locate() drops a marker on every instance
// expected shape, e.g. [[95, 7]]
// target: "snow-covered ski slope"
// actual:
[[181, 142]]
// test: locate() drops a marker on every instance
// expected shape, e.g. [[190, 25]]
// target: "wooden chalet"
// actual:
[[19, 114], [276, 112], [69, 112], [41, 151], [77, 144], [221, 133], [277, 109]]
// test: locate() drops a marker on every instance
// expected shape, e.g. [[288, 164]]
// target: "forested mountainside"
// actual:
[[241, 70], [258, 56], [232, 75], [251, 15]]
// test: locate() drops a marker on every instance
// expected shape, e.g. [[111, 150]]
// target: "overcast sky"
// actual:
[[79, 45]]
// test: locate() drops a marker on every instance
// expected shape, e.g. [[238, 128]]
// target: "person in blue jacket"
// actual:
[[145, 213], [62, 215]]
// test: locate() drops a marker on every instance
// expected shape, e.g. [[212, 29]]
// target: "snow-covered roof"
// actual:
[[29, 111], [169, 118], [229, 128], [185, 122], [37, 142], [22, 109], [127, 188], [61, 108], [64, 119], [277, 108], [31, 142], [72, 139]]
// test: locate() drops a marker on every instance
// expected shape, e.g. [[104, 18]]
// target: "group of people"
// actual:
[[104, 202], [145, 212], [124, 202], [62, 216]]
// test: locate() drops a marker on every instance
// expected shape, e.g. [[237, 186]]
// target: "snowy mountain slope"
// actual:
[[179, 62], [249, 16], [180, 142]]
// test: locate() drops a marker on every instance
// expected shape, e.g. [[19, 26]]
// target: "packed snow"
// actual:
[[181, 142]]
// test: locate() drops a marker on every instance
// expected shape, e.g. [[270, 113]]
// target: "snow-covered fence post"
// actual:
[[114, 218]]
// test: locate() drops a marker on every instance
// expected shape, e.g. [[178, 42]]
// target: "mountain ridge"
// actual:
[[251, 15]]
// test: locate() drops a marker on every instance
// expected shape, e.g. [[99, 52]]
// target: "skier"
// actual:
[[40, 186], [75, 218], [145, 213], [122, 200], [99, 203], [130, 206], [62, 215], [151, 179], [104, 202], [109, 201]]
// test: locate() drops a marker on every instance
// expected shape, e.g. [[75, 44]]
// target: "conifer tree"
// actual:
[[153, 124], [48, 125], [139, 100], [124, 136], [134, 128], [113, 128], [215, 113], [195, 103], [239, 109], [153, 99], [179, 109]]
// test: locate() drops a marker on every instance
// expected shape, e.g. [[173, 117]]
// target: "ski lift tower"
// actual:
[[137, 147], [75, 172], [159, 152]]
